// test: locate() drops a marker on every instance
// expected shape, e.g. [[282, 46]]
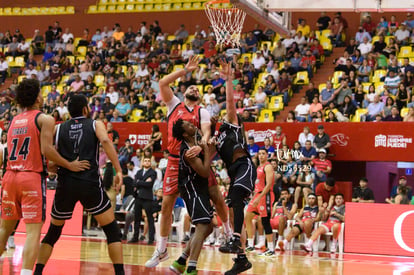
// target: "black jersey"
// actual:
[[186, 174], [76, 138], [230, 138]]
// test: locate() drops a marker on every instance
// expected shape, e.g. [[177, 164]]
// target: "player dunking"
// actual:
[[232, 148], [193, 186], [261, 204], [30, 137], [79, 138], [190, 111]]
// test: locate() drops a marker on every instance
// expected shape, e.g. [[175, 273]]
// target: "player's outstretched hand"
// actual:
[[118, 181], [192, 63], [225, 71], [79, 165]]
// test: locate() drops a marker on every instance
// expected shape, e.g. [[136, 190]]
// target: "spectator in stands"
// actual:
[[284, 85], [374, 108], [258, 62], [342, 91], [300, 40], [322, 166], [361, 35], [311, 92], [314, 108], [327, 94], [379, 45], [115, 117], [368, 25], [302, 110], [112, 134], [325, 191], [336, 32], [401, 197], [304, 183], [291, 117], [363, 193], [37, 43], [364, 71], [392, 82], [270, 149], [23, 49], [125, 153], [322, 140], [346, 110], [251, 43], [279, 52], [123, 108], [410, 116], [323, 21], [305, 136], [403, 96], [181, 35], [4, 66], [402, 181], [154, 142], [335, 217], [308, 153], [252, 147], [394, 116]]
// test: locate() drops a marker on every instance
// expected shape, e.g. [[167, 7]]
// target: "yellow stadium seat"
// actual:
[[46, 90], [158, 7], [266, 115], [171, 37], [326, 45], [405, 51], [71, 59], [129, 8], [82, 50], [404, 111], [163, 109], [99, 80], [44, 10], [111, 8], [302, 78], [135, 116], [365, 86], [358, 113], [197, 6], [10, 60], [387, 39], [379, 87], [60, 87], [101, 9], [20, 78], [248, 55], [177, 6], [139, 7], [148, 7], [64, 79], [375, 39], [276, 103], [19, 61], [120, 8], [80, 58], [61, 10], [7, 11], [321, 87], [17, 11], [103, 2], [26, 11], [1, 11], [337, 75], [326, 33], [223, 113], [187, 6], [52, 10], [378, 74]]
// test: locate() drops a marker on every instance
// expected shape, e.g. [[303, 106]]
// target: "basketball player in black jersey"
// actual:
[[232, 148], [79, 138], [193, 186]]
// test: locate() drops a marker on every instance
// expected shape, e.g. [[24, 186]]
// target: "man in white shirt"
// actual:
[[113, 95], [30, 71], [4, 66], [67, 35], [142, 70], [143, 28], [402, 34], [392, 81], [302, 110], [287, 42], [132, 170], [23, 48], [258, 62], [365, 47]]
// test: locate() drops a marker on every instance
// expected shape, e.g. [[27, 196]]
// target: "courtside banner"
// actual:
[[376, 228], [365, 141]]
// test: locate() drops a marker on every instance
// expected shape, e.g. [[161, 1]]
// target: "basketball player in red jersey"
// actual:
[[261, 204], [279, 138], [30, 137], [190, 111]]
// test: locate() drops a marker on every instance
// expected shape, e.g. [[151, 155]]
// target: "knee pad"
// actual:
[[53, 234], [112, 232], [266, 225]]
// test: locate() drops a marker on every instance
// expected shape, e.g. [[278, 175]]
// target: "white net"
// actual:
[[227, 23]]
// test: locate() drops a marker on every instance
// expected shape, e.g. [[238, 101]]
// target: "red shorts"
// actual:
[[329, 224], [264, 208], [274, 222], [23, 196], [170, 184]]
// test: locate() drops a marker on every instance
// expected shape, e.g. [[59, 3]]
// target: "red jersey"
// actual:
[[261, 179], [181, 111], [277, 140], [23, 141], [321, 165]]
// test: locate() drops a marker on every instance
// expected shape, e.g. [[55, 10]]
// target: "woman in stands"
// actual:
[[154, 143], [389, 103], [403, 96]]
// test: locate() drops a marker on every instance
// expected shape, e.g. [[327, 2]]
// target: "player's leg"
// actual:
[[201, 233], [269, 236], [248, 220], [306, 192], [220, 205], [336, 229], [107, 222], [298, 190], [281, 228], [46, 247], [320, 231], [186, 228], [6, 228], [308, 227], [31, 245]]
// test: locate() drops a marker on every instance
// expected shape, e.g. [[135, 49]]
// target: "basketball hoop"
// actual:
[[227, 21]]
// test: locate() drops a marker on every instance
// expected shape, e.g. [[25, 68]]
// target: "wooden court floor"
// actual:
[[74, 255]]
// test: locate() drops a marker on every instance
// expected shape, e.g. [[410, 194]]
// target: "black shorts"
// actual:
[[197, 202], [69, 191], [243, 174]]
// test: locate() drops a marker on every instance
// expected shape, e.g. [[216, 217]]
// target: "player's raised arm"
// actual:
[[165, 90], [226, 73]]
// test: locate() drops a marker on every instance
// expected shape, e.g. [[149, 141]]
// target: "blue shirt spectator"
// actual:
[[252, 147]]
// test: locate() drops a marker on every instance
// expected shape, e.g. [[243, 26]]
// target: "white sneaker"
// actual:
[[306, 247], [260, 244], [333, 247], [10, 242], [156, 258], [220, 240]]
